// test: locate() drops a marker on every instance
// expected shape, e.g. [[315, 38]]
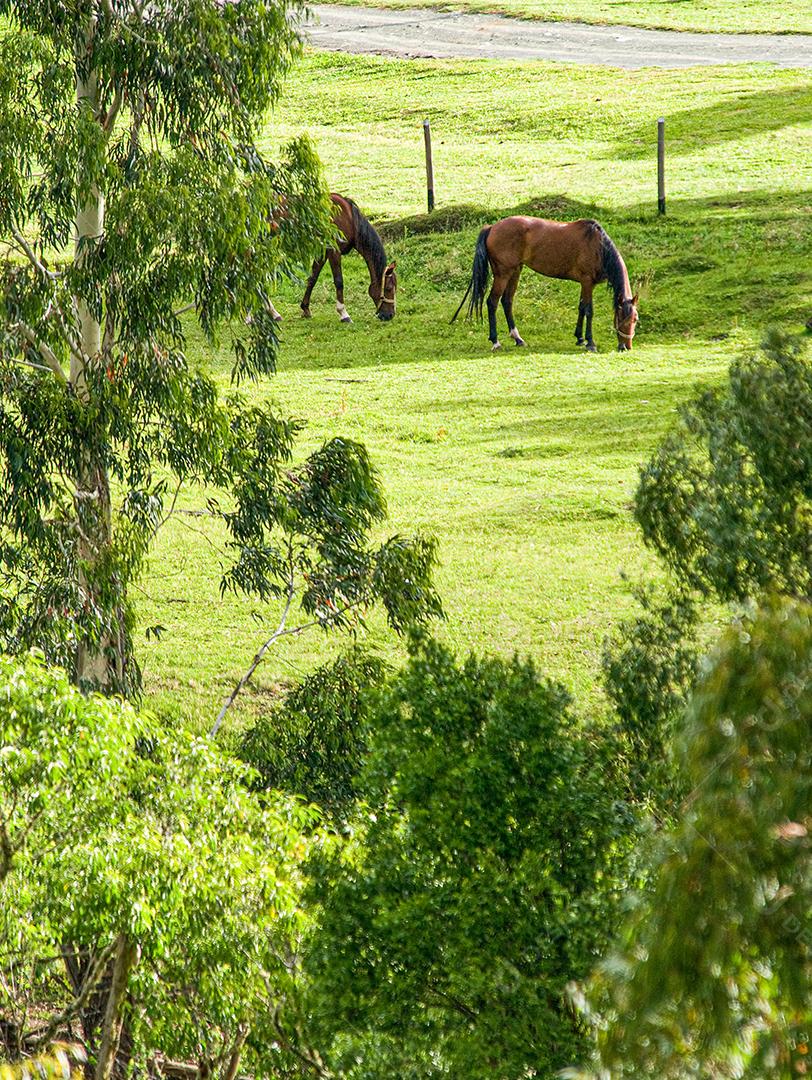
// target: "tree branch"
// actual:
[[230, 1072], [45, 351], [30, 254], [310, 1058], [35, 1040], [452, 1002], [7, 851], [278, 633], [112, 113], [30, 363]]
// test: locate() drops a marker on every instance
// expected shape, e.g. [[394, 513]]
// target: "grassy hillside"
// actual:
[[731, 16], [522, 463]]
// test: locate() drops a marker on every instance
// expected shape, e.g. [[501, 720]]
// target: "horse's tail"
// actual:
[[479, 277]]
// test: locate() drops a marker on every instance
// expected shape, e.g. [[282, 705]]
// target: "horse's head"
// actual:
[[625, 322], [385, 300]]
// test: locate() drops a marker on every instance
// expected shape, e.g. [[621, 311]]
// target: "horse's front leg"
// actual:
[[311, 283], [338, 280], [585, 312]]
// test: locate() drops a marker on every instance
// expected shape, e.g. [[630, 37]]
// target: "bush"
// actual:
[[482, 875]]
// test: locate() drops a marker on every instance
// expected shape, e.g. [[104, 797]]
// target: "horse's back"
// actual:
[[560, 249], [342, 214]]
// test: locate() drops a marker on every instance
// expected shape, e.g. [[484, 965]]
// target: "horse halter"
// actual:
[[382, 299], [619, 308]]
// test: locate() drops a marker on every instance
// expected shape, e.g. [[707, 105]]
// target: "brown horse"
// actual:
[[358, 233], [573, 251]]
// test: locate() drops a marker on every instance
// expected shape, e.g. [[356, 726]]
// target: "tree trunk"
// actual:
[[99, 663], [126, 956]]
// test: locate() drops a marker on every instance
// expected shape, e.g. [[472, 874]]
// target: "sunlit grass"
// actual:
[[523, 463]]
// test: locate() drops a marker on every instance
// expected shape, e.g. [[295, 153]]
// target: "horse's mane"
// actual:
[[612, 265], [367, 241]]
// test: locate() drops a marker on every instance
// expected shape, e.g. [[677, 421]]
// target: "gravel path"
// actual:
[[452, 34]]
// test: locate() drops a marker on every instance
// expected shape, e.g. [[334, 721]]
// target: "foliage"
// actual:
[[725, 501], [129, 128], [312, 744], [479, 878], [725, 504], [59, 1062], [62, 758], [183, 892], [714, 971], [649, 667]]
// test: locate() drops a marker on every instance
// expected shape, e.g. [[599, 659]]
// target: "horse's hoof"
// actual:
[[592, 347], [306, 313], [278, 318], [496, 345], [346, 319], [520, 342]]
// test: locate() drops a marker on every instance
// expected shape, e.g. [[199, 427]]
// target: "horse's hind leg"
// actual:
[[311, 282], [499, 284], [338, 280], [507, 305]]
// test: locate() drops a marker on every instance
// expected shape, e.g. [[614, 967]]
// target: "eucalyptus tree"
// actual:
[[132, 199], [712, 974]]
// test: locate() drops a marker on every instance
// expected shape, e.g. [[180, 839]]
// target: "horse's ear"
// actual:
[[393, 265], [635, 298]]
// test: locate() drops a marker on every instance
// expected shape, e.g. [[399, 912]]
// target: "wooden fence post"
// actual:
[[661, 165], [429, 165]]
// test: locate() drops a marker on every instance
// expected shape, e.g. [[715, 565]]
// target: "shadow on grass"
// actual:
[[743, 260], [708, 268], [725, 121]]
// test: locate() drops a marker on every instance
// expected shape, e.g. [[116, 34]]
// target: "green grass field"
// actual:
[[717, 16], [522, 463]]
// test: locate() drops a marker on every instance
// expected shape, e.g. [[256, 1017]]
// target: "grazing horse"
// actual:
[[358, 233], [571, 250]]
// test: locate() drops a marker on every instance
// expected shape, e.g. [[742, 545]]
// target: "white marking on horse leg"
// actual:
[[274, 313], [517, 337], [496, 345], [343, 314]]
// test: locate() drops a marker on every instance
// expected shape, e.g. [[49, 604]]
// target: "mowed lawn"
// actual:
[[521, 463], [717, 16]]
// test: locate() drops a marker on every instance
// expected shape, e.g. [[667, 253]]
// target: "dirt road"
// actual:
[[452, 34]]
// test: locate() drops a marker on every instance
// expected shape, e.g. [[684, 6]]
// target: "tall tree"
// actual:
[[713, 974], [131, 189], [725, 502]]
